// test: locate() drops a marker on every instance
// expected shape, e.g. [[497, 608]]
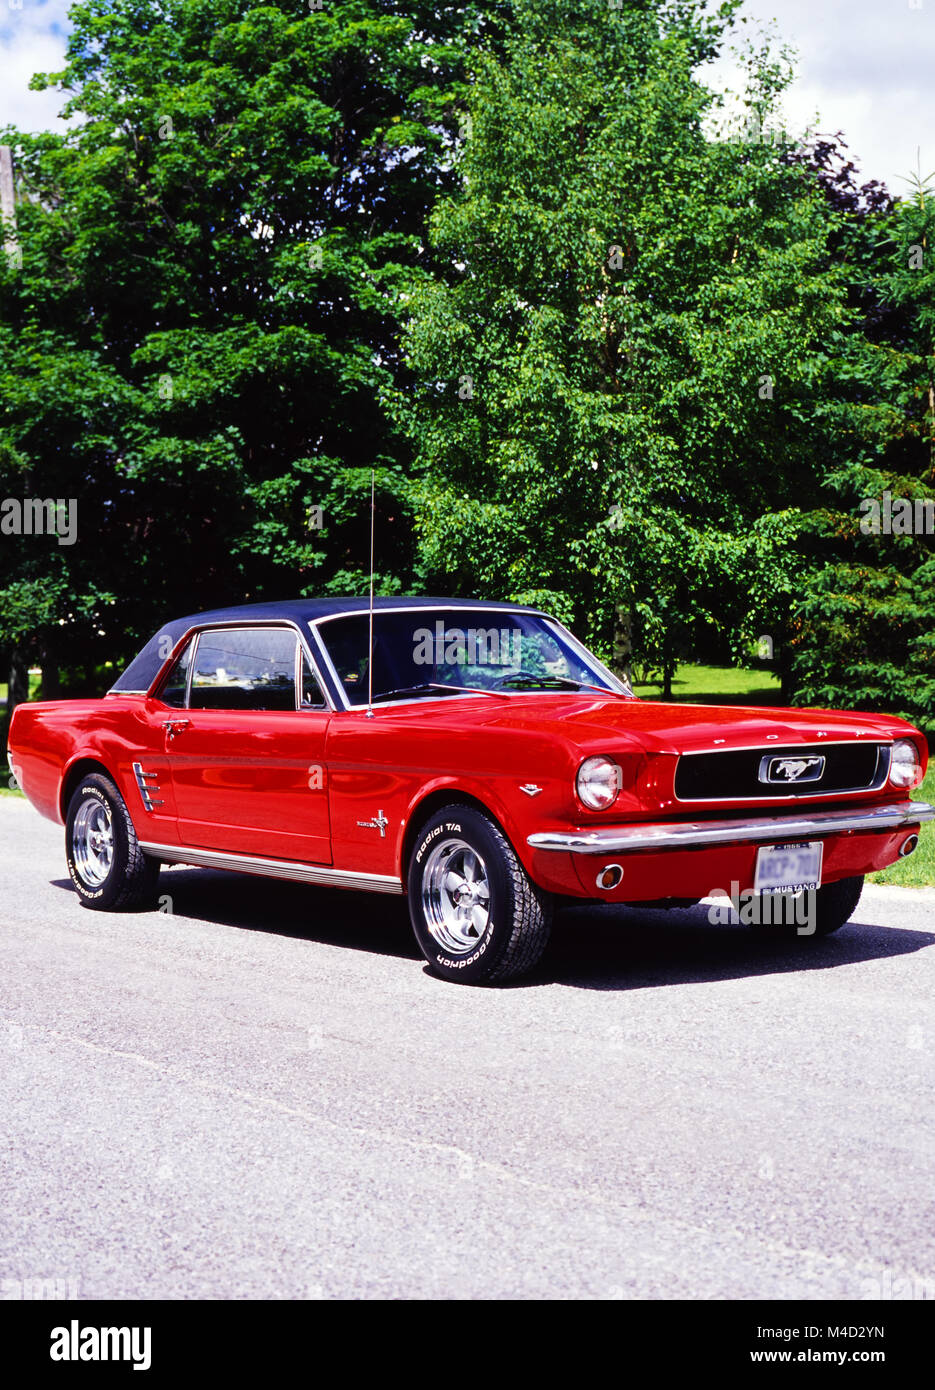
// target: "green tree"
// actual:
[[864, 613], [618, 366], [203, 327]]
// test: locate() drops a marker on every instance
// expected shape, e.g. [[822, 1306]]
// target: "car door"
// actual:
[[245, 745]]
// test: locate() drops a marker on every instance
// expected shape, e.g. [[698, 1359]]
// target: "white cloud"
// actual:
[[864, 66], [32, 39]]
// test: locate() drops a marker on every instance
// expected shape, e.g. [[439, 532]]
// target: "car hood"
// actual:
[[592, 720]]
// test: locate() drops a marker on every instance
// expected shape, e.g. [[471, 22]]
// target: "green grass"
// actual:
[[35, 680], [717, 685], [5, 789]]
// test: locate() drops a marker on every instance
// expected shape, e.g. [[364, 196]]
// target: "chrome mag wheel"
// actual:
[[477, 916], [456, 896], [93, 841]]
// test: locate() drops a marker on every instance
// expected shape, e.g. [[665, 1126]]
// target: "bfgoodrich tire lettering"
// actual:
[[477, 917], [105, 862]]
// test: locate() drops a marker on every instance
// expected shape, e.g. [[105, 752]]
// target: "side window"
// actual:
[[245, 669], [312, 694], [175, 688]]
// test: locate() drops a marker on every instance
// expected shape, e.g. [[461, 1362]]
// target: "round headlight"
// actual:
[[598, 782], [905, 764]]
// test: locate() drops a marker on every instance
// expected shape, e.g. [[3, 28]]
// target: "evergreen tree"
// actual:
[[864, 617]]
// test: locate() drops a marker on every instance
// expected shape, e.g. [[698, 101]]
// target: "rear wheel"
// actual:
[[106, 864], [477, 916]]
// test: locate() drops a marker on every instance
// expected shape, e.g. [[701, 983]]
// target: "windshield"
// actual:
[[431, 652]]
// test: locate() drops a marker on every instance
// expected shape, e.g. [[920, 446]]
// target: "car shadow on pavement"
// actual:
[[372, 922], [604, 947], [598, 947]]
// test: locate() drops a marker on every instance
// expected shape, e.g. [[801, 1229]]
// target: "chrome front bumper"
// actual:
[[624, 839]]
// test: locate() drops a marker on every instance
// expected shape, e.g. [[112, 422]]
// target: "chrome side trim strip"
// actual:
[[621, 839], [321, 874]]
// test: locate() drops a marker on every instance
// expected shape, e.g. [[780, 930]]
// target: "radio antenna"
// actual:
[[370, 659]]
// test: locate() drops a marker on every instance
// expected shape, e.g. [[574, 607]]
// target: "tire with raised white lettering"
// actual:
[[106, 864], [476, 914]]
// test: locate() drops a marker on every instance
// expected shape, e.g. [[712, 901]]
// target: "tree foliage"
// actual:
[[619, 363], [605, 351], [863, 612], [201, 332]]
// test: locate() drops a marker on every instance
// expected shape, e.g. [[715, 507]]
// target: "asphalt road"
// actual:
[[262, 1094]]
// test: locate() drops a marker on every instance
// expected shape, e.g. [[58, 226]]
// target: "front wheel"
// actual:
[[836, 903], [477, 916], [825, 911], [106, 864]]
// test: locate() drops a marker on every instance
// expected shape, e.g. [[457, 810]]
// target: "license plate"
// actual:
[[788, 868]]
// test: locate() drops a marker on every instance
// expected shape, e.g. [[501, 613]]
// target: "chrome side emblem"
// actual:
[[530, 789], [379, 822], [146, 791], [792, 769]]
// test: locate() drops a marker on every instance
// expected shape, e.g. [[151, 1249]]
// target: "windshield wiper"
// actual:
[[557, 682], [432, 688]]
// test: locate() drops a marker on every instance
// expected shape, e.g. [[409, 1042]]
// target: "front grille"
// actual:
[[740, 773]]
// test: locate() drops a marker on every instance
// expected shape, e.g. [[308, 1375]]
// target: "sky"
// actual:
[[864, 67], [32, 39]]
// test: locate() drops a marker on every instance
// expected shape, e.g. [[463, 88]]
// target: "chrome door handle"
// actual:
[[175, 726]]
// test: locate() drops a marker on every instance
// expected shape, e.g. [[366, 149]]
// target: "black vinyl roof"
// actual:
[[145, 667]]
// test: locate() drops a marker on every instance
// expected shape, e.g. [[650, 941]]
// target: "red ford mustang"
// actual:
[[473, 756]]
